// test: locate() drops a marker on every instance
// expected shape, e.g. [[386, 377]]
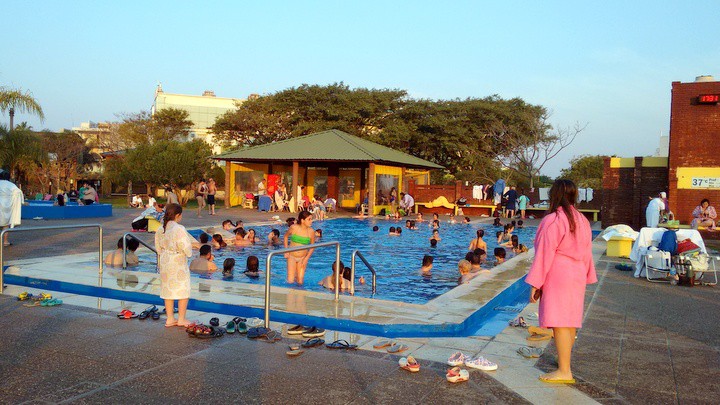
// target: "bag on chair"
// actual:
[[687, 246], [668, 242]]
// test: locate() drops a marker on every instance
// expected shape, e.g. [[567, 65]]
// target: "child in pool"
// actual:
[[318, 233], [512, 243], [376, 228], [520, 249], [240, 238], [218, 242], [452, 219], [290, 222], [115, 258], [391, 232], [478, 242], [482, 254], [203, 264], [435, 235], [329, 281], [407, 223], [412, 225], [419, 217], [228, 267], [500, 255], [436, 216], [274, 237], [251, 237], [433, 243], [499, 235], [497, 222], [520, 224], [467, 220], [464, 269], [204, 239], [252, 267], [398, 231], [427, 265]]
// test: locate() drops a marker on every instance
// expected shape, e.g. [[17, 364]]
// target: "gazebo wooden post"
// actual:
[[333, 182], [228, 186], [371, 189], [293, 190]]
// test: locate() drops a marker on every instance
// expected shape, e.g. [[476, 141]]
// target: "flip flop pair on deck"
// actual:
[[390, 346]]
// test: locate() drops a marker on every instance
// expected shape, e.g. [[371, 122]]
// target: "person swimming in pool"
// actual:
[[435, 235], [299, 234], [478, 242], [274, 238], [240, 240]]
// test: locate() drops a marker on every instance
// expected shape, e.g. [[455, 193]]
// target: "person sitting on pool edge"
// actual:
[[427, 265], [499, 255], [203, 264], [115, 258], [329, 281], [252, 267], [228, 267]]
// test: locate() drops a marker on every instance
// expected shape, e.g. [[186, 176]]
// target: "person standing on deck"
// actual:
[[562, 267]]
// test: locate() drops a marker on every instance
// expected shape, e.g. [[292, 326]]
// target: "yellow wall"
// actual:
[[236, 196], [652, 161], [392, 170], [648, 161], [421, 177], [686, 174]]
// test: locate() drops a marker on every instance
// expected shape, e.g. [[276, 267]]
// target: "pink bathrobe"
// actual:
[[562, 267]]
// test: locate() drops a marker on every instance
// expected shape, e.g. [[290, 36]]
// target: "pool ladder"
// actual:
[[128, 234], [356, 253]]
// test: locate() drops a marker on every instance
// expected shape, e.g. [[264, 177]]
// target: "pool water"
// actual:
[[396, 259]]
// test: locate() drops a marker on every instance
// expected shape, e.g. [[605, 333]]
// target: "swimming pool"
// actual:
[[396, 259]]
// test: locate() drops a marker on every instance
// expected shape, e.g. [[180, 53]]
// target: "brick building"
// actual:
[[694, 146], [691, 171]]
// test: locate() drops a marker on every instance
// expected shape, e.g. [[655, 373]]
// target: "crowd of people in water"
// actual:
[[299, 232]]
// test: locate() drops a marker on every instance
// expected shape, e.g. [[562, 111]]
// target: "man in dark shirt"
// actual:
[[511, 204]]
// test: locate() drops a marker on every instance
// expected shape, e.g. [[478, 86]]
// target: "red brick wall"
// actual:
[[694, 142], [626, 190]]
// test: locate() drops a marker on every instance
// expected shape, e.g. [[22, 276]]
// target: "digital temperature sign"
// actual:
[[708, 98]]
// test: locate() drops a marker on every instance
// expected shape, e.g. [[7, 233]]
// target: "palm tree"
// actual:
[[11, 99]]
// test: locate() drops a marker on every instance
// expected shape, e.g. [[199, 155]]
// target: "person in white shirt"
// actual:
[[11, 200], [137, 201], [151, 202], [262, 189], [652, 212], [406, 202]]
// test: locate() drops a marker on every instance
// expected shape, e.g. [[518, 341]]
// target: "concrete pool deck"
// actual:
[[630, 351]]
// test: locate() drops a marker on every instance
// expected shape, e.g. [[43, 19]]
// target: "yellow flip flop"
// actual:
[[538, 338], [556, 381]]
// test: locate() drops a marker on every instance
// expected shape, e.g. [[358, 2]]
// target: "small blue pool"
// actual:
[[396, 259], [72, 210]]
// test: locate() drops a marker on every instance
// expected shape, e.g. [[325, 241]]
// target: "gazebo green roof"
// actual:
[[327, 146]]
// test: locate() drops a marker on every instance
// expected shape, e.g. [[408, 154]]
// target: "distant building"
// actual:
[[203, 110], [95, 135]]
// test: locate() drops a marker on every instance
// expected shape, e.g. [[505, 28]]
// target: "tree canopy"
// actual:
[[457, 134], [585, 171]]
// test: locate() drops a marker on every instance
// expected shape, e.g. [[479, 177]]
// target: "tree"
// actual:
[[586, 171], [163, 163], [68, 156], [12, 99], [20, 150], [135, 129], [528, 144]]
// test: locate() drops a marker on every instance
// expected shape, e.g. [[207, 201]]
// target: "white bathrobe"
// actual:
[[11, 200], [652, 212]]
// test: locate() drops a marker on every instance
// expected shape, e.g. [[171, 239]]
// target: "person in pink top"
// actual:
[[562, 267]]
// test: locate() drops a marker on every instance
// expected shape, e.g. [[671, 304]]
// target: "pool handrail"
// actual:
[[357, 253], [124, 263], [296, 249], [44, 228]]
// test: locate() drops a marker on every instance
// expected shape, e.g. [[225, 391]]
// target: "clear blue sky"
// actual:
[[608, 64]]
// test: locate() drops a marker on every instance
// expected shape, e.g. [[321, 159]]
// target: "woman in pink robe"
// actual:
[[562, 267]]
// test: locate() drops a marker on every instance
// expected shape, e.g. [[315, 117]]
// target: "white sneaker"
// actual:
[[457, 359], [481, 363]]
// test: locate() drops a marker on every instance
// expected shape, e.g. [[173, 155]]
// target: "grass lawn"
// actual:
[[121, 202]]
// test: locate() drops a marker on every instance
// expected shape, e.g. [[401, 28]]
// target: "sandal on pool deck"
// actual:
[[230, 327], [296, 330], [409, 363], [254, 333], [313, 342], [24, 296], [214, 322], [147, 312], [271, 337], [456, 375], [530, 352], [313, 332], [50, 302], [536, 330], [341, 344], [127, 314], [383, 344], [294, 351], [397, 348], [556, 381]]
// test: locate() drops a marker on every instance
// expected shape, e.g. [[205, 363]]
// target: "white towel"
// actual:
[[11, 200], [477, 192], [589, 195], [581, 195], [544, 193]]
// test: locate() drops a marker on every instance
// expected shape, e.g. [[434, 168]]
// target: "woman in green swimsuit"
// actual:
[[298, 235]]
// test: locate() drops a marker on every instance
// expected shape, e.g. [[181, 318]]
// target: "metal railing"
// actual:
[[296, 249], [43, 228], [356, 253], [141, 242]]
